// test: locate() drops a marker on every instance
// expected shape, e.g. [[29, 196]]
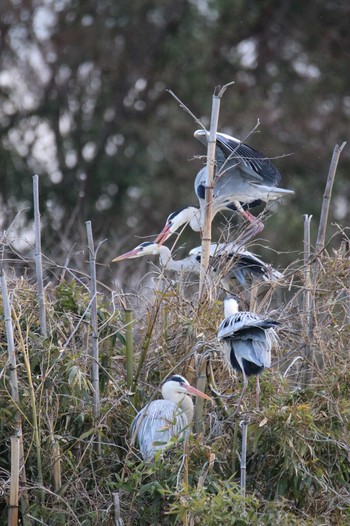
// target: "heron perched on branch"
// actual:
[[247, 339], [230, 260], [161, 420], [244, 178]]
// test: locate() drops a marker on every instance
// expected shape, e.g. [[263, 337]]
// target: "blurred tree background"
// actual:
[[84, 103]]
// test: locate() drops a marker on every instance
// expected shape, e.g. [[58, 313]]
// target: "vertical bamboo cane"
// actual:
[[244, 427], [14, 487], [207, 211], [38, 257], [118, 521], [307, 301], [321, 236], [96, 404], [129, 348], [14, 382], [201, 385]]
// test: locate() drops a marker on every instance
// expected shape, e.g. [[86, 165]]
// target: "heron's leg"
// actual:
[[245, 385], [257, 392], [257, 226]]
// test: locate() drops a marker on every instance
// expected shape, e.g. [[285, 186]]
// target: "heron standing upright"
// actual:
[[247, 339]]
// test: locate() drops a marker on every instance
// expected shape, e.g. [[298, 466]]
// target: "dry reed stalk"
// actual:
[[56, 465], [14, 384], [201, 385], [308, 303], [14, 485], [118, 521], [38, 258], [35, 417], [129, 347], [94, 352], [244, 427], [321, 236], [207, 209]]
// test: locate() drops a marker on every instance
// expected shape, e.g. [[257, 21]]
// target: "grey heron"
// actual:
[[247, 339], [233, 261], [244, 178], [161, 420]]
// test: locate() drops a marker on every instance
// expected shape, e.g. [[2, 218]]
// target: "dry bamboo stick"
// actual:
[[94, 352], [244, 427], [38, 257], [14, 382], [321, 236], [118, 521], [129, 348], [201, 385], [14, 486], [94, 324], [207, 210], [308, 302]]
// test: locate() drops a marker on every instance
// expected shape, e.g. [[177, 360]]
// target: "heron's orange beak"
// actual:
[[128, 255], [163, 235], [196, 392]]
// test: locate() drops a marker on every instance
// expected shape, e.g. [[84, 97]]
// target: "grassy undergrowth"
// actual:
[[298, 447]]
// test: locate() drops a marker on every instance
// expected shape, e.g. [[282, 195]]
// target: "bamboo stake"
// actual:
[[14, 486], [35, 417], [14, 383], [118, 521], [129, 347], [201, 385], [38, 257], [207, 210], [244, 427], [94, 352], [307, 301], [321, 236]]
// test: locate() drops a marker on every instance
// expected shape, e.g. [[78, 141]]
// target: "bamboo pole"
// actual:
[[14, 485], [308, 303], [14, 384], [201, 385], [129, 348], [321, 236], [207, 210], [118, 521], [244, 427], [38, 258], [35, 416], [94, 352]]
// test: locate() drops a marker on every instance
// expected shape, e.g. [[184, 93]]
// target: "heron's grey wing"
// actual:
[[253, 346], [242, 319], [156, 424], [254, 161]]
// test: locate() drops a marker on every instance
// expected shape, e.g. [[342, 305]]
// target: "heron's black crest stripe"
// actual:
[[175, 213], [146, 243], [176, 378]]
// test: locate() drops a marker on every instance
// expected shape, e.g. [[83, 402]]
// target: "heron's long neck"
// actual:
[[173, 264], [187, 407]]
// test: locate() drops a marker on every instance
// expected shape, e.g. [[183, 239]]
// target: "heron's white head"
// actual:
[[144, 249], [176, 387], [230, 306], [190, 215]]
